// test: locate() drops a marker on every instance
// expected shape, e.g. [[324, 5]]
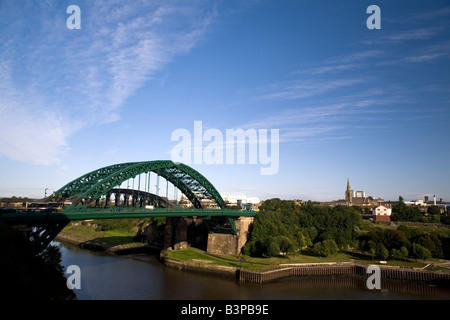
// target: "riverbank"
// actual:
[[247, 269], [393, 277], [99, 244]]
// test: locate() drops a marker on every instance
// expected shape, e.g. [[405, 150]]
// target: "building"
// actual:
[[382, 213], [359, 194], [359, 198], [348, 192], [236, 198]]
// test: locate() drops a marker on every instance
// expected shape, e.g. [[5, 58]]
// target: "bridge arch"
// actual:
[[99, 182]]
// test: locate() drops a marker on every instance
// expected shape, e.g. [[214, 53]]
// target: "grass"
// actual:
[[367, 226], [306, 256], [190, 254], [272, 262], [111, 237]]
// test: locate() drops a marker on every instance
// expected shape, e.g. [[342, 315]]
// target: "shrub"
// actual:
[[420, 252], [325, 248]]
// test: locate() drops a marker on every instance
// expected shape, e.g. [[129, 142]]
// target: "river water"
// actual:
[[136, 277]]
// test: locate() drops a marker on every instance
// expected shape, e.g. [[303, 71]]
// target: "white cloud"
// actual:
[[306, 88], [55, 81]]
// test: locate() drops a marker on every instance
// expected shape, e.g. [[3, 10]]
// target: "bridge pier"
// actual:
[[180, 233], [230, 244]]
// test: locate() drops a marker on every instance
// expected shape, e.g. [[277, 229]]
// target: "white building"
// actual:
[[382, 213], [233, 197], [415, 203]]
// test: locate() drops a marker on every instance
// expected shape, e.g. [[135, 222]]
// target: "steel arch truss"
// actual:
[[99, 182]]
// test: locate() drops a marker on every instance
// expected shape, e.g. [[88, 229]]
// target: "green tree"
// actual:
[[273, 249], [381, 251], [319, 249], [430, 242], [434, 210], [402, 212], [397, 239], [420, 252], [303, 239], [371, 247], [404, 253], [285, 244], [325, 248], [400, 254], [434, 213]]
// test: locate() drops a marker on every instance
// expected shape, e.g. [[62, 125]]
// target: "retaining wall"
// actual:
[[347, 269]]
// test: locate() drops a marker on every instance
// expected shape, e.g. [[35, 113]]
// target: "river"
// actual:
[[143, 277]]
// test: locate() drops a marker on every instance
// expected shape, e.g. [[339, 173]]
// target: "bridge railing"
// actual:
[[85, 212]]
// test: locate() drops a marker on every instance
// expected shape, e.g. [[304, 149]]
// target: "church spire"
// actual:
[[349, 192]]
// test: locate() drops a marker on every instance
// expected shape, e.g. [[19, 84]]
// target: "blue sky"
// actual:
[[349, 102]]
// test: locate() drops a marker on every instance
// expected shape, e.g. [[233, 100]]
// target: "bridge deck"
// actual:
[[84, 213]]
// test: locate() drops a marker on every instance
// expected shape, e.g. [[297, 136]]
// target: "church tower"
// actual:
[[348, 192]]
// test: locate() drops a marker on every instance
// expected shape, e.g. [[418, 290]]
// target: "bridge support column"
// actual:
[[230, 244], [175, 237], [117, 199], [107, 199], [180, 233]]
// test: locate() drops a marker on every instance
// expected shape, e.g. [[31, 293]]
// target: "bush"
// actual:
[[400, 254], [273, 249], [420, 252], [381, 251], [325, 248]]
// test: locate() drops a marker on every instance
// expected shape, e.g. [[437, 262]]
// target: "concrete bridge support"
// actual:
[[230, 244], [180, 233]]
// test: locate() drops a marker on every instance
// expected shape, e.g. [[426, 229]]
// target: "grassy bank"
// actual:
[[109, 237], [124, 232], [305, 257], [192, 254]]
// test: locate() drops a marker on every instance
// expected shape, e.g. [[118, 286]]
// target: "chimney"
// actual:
[[434, 199]]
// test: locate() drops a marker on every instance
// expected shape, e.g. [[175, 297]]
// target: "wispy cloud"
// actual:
[[331, 100], [58, 81], [306, 88]]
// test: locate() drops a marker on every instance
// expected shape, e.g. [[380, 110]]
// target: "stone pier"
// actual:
[[180, 233], [230, 244]]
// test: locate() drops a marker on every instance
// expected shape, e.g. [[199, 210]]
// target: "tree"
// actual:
[[397, 239], [420, 252], [303, 240], [434, 213], [285, 244], [371, 248], [434, 210], [325, 248], [319, 249], [273, 249], [400, 254], [401, 212], [430, 242], [381, 251]]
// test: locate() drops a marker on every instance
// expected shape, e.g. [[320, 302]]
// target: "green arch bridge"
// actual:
[[84, 193]]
